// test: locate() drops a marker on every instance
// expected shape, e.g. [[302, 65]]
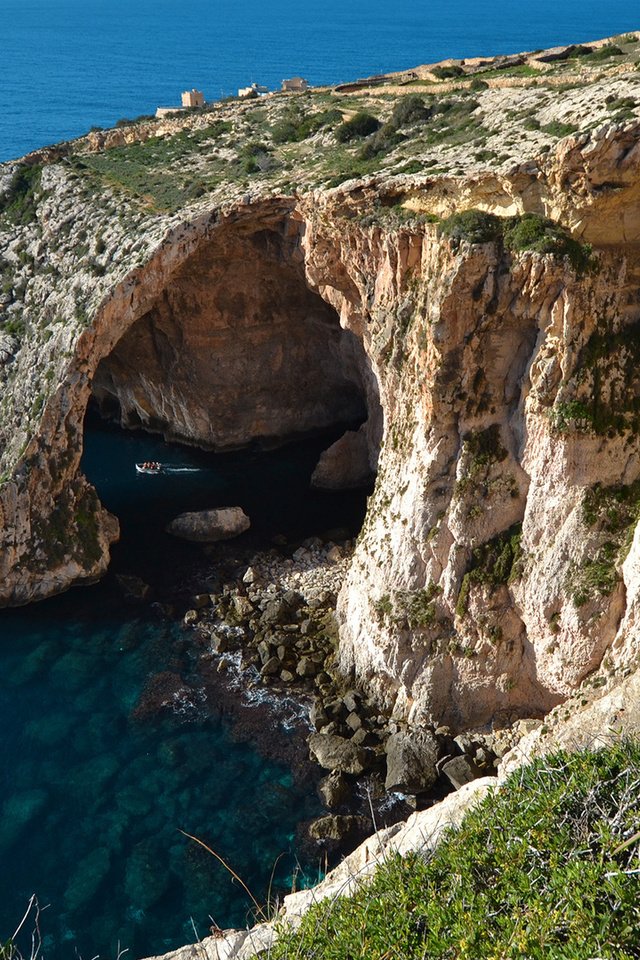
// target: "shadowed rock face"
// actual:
[[236, 348]]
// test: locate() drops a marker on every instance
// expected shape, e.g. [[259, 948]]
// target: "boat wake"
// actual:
[[176, 468], [152, 467]]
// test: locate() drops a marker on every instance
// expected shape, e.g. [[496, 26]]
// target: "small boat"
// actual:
[[149, 466]]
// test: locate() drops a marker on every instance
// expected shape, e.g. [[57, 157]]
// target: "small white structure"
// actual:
[[193, 98], [255, 90], [190, 98], [295, 85]]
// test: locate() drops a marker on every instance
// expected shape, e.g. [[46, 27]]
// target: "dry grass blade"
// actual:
[[228, 869]]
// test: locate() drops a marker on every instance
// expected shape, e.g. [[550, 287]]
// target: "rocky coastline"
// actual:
[[266, 636]]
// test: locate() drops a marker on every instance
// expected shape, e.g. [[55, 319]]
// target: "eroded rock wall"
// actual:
[[498, 564], [492, 575]]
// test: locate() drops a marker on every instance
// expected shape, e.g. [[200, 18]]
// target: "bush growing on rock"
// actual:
[[361, 125], [529, 231], [533, 232], [475, 226], [409, 110]]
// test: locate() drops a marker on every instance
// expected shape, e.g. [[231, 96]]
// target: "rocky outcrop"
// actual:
[[498, 564], [208, 526], [345, 464]]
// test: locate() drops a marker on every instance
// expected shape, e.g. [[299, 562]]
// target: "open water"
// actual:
[[66, 65], [95, 780]]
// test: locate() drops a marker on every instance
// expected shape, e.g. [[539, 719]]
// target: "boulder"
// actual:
[[335, 790], [276, 611], [345, 464], [134, 588], [461, 770], [336, 828], [335, 753], [306, 667], [318, 715], [411, 761], [207, 526]]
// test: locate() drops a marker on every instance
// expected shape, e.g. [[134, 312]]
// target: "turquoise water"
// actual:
[[66, 65], [96, 778]]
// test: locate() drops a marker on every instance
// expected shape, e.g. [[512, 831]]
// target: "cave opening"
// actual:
[[236, 349], [245, 367]]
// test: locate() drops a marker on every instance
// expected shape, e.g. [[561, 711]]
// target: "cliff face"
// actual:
[[499, 563]]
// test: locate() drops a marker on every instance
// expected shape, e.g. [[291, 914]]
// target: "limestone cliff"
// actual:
[[498, 564]]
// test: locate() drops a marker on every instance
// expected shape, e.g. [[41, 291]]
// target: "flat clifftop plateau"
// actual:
[[449, 255]]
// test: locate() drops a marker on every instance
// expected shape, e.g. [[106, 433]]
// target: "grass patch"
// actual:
[[558, 129], [495, 563], [529, 231], [19, 203], [543, 868]]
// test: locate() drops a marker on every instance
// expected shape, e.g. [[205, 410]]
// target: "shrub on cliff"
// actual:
[[533, 232], [475, 226], [19, 201], [547, 867], [407, 110], [529, 231], [361, 125]]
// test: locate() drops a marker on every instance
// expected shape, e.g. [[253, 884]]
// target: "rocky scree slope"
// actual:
[[176, 274]]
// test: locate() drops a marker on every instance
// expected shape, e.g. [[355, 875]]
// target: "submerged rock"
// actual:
[[207, 526]]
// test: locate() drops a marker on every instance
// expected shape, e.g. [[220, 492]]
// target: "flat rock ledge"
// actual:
[[208, 526], [422, 831]]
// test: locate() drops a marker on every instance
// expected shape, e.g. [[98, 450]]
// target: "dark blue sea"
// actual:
[[66, 65], [115, 734]]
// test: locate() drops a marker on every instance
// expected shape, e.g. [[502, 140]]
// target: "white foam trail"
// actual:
[[167, 468]]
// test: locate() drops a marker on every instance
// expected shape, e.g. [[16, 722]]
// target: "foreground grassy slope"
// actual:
[[547, 867]]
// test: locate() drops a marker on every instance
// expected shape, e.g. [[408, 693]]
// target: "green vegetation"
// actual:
[[604, 53], [296, 125], [546, 867], [19, 203], [519, 70], [474, 226], [533, 232], [529, 231], [613, 512], [484, 449], [558, 129], [451, 72], [609, 355], [408, 110], [493, 564], [597, 576], [409, 609], [150, 171], [623, 108], [613, 509], [362, 125]]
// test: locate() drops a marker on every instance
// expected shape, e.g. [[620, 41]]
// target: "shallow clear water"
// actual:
[[95, 780], [66, 65]]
